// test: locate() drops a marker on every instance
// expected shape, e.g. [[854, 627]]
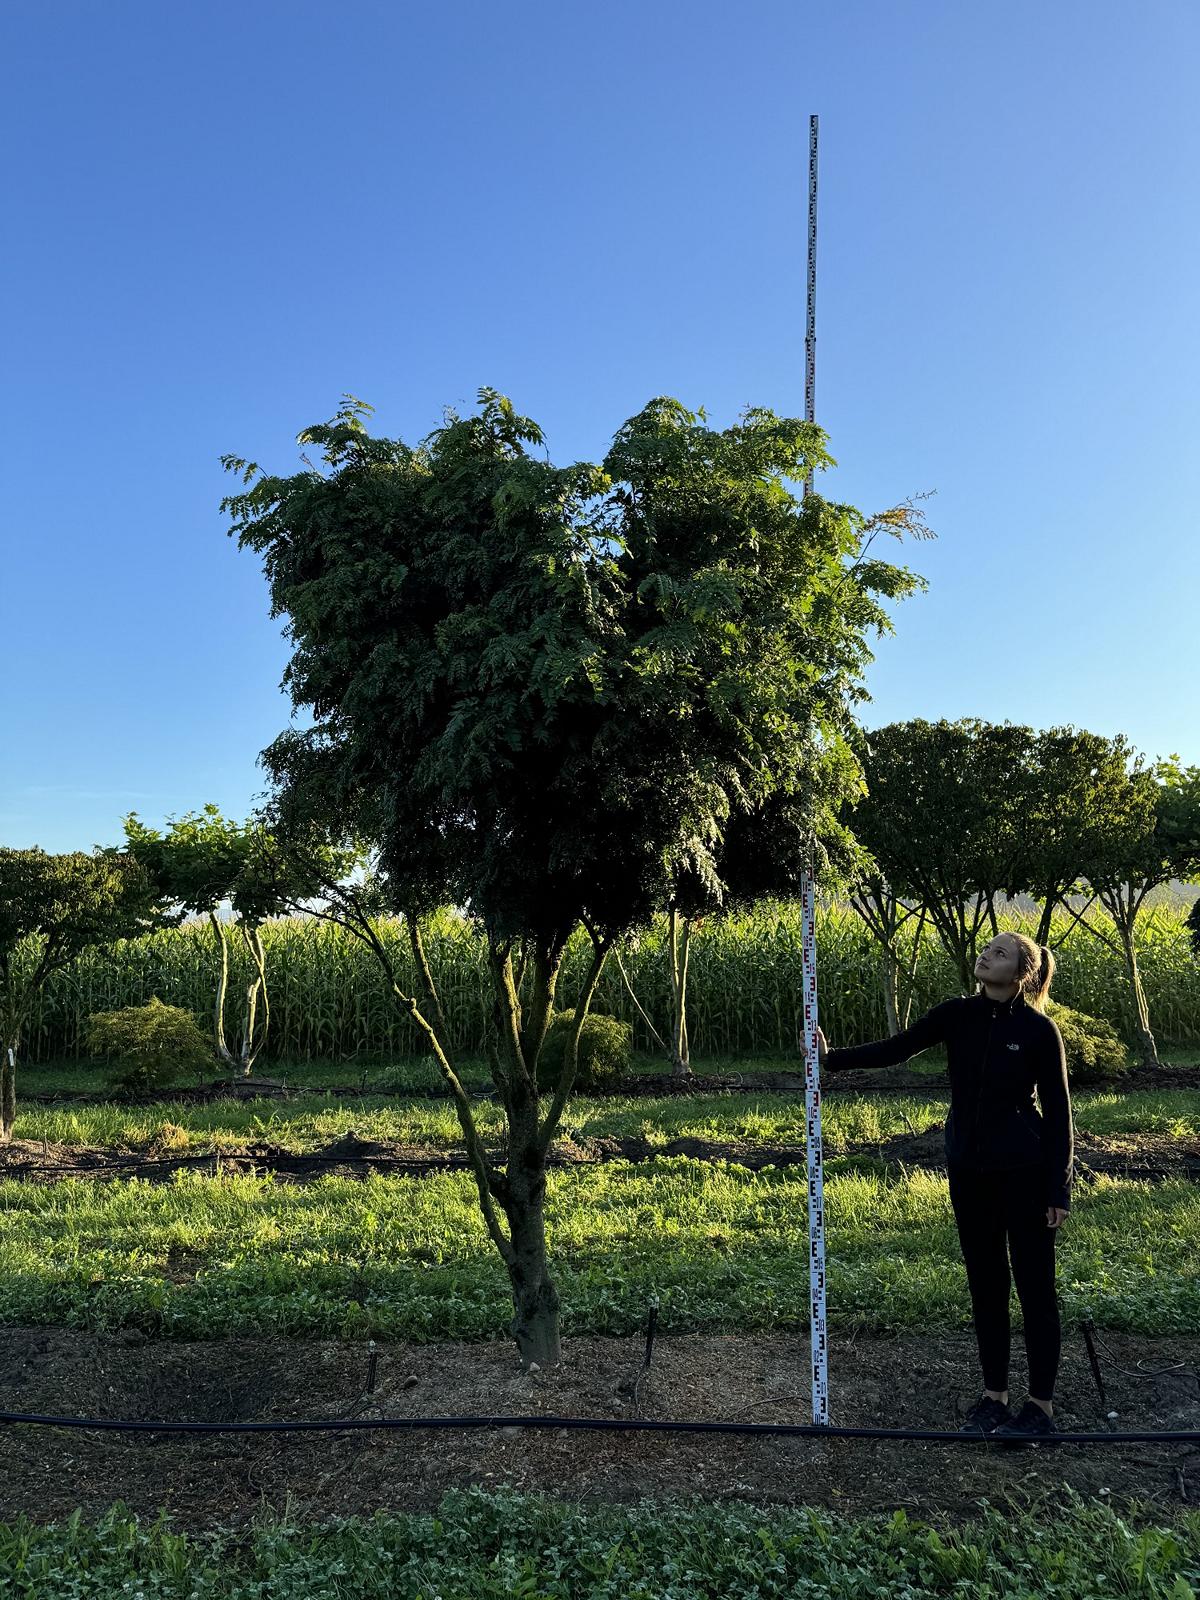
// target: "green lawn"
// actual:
[[480, 1546], [722, 1247], [310, 1121]]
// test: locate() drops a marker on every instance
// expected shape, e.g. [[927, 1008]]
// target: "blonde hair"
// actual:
[[1035, 968]]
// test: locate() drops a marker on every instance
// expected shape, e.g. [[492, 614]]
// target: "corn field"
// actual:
[[329, 998]]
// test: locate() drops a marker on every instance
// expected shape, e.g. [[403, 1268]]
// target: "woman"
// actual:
[[1010, 1169]]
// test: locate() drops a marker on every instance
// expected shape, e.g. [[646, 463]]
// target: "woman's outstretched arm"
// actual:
[[1058, 1136], [925, 1031]]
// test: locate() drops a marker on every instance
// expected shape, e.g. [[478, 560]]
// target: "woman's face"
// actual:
[[998, 961]]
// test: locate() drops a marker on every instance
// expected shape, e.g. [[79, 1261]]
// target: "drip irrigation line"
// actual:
[[806, 1430], [637, 1088], [1184, 1368], [300, 1162]]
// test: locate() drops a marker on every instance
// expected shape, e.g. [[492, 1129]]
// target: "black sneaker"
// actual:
[[1031, 1426], [986, 1415]]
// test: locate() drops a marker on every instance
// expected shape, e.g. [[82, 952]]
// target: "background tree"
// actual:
[[52, 908], [533, 685], [1150, 835], [202, 861], [763, 852], [872, 895], [1073, 802], [943, 819]]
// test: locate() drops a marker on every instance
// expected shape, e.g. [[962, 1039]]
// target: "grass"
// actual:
[[481, 1545], [723, 1248], [310, 1121]]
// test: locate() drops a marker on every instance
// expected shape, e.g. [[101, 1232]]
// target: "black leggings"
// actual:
[[1001, 1214]]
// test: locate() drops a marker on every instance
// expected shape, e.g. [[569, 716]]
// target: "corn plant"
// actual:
[[331, 1001]]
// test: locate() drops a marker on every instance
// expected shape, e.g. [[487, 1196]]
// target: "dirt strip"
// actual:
[[889, 1080], [1143, 1155], [914, 1380]]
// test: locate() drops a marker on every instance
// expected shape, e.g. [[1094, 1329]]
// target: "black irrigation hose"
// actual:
[[1176, 1369], [807, 1430], [637, 1088], [301, 1162]]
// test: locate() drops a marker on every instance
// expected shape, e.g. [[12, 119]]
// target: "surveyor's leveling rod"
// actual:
[[810, 326], [816, 1181], [812, 1079]]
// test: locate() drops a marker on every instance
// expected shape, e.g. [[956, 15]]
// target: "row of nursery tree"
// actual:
[[576, 698], [1090, 826]]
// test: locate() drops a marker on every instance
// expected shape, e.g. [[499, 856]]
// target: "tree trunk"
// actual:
[[683, 1060], [8, 1090], [246, 1051], [251, 1045], [889, 976], [885, 914], [966, 968], [1045, 920], [219, 1045], [535, 1323], [681, 1066], [1149, 1048], [521, 1188]]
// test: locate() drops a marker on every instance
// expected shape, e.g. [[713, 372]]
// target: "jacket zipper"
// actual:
[[974, 1150]]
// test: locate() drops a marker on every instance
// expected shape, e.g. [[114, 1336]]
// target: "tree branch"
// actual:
[[571, 1056]]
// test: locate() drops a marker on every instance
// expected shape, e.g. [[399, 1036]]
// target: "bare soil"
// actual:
[[1132, 1155], [221, 1480], [787, 1080]]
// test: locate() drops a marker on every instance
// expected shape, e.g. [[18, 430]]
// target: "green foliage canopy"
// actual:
[[538, 686], [53, 907]]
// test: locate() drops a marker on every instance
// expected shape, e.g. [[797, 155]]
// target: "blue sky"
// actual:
[[220, 218]]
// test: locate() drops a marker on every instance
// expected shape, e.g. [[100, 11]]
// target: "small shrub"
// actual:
[[1095, 1051], [605, 1051], [150, 1046], [1192, 923]]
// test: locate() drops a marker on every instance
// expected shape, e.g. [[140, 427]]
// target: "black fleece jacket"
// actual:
[[998, 1053]]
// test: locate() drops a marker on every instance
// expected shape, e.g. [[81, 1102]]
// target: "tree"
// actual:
[[1150, 836], [763, 852], [533, 685], [871, 894], [202, 861], [942, 819], [52, 908], [1073, 802]]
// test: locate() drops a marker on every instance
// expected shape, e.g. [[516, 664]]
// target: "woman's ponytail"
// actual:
[[1039, 980]]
